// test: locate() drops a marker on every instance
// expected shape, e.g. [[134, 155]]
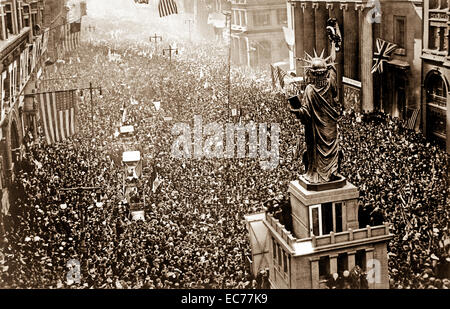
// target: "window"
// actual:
[[434, 4], [26, 15], [285, 262], [399, 31], [360, 259], [436, 108], [314, 220], [324, 267], [436, 90], [8, 20], [279, 255], [282, 16], [243, 21], [274, 249], [342, 263], [325, 218], [338, 216], [261, 18]]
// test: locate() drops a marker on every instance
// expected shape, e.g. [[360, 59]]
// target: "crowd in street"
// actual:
[[194, 235]]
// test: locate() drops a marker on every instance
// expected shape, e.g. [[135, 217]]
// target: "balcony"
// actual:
[[333, 240], [6, 46]]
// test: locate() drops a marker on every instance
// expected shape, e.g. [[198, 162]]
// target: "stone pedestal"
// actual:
[[301, 199]]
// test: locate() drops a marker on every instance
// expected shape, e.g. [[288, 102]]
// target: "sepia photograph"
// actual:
[[220, 150]]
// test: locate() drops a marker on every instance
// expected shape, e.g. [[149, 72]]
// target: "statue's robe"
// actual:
[[319, 115]]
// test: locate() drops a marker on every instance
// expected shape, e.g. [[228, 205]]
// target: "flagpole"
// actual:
[[228, 17]]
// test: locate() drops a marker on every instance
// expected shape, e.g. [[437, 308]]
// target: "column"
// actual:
[[290, 23], [299, 38], [243, 50], [333, 263], [369, 257], [252, 53], [350, 41], [249, 52], [366, 51], [309, 29], [315, 273], [320, 18], [351, 259]]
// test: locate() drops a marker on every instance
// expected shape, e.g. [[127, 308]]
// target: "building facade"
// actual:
[[399, 23], [24, 48], [257, 34], [436, 71]]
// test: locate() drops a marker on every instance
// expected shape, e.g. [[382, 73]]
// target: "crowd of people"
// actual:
[[194, 235]]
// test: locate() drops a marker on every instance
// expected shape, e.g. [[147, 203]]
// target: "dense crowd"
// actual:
[[194, 235]]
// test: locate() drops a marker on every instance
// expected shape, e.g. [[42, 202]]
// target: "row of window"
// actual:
[[281, 259], [439, 4], [260, 18], [14, 16], [438, 38], [342, 263]]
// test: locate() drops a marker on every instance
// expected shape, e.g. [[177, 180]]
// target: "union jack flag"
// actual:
[[384, 50]]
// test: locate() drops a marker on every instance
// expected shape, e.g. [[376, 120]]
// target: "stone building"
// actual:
[[24, 47], [257, 34], [397, 90], [436, 71]]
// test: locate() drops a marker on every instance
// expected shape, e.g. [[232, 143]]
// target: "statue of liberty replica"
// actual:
[[318, 110]]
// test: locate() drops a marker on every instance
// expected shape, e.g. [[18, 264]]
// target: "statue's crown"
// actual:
[[316, 65]]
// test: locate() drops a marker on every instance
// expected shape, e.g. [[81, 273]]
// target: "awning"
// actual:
[[131, 156], [218, 20], [399, 64], [126, 129]]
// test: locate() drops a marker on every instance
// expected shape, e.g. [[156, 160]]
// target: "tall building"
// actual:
[[395, 91], [257, 34], [24, 47], [436, 71]]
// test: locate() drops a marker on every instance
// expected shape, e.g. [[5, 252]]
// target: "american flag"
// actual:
[[58, 114], [72, 36], [167, 7], [384, 50], [412, 120], [280, 75]]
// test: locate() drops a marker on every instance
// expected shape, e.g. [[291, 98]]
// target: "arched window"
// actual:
[[436, 107], [436, 90]]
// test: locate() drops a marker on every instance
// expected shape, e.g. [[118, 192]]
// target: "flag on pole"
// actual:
[[45, 37], [412, 120], [156, 183], [58, 114], [382, 54], [167, 7], [72, 36], [280, 76], [157, 105], [272, 75]]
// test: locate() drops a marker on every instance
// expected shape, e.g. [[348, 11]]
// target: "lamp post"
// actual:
[[189, 21], [228, 19], [155, 38]]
